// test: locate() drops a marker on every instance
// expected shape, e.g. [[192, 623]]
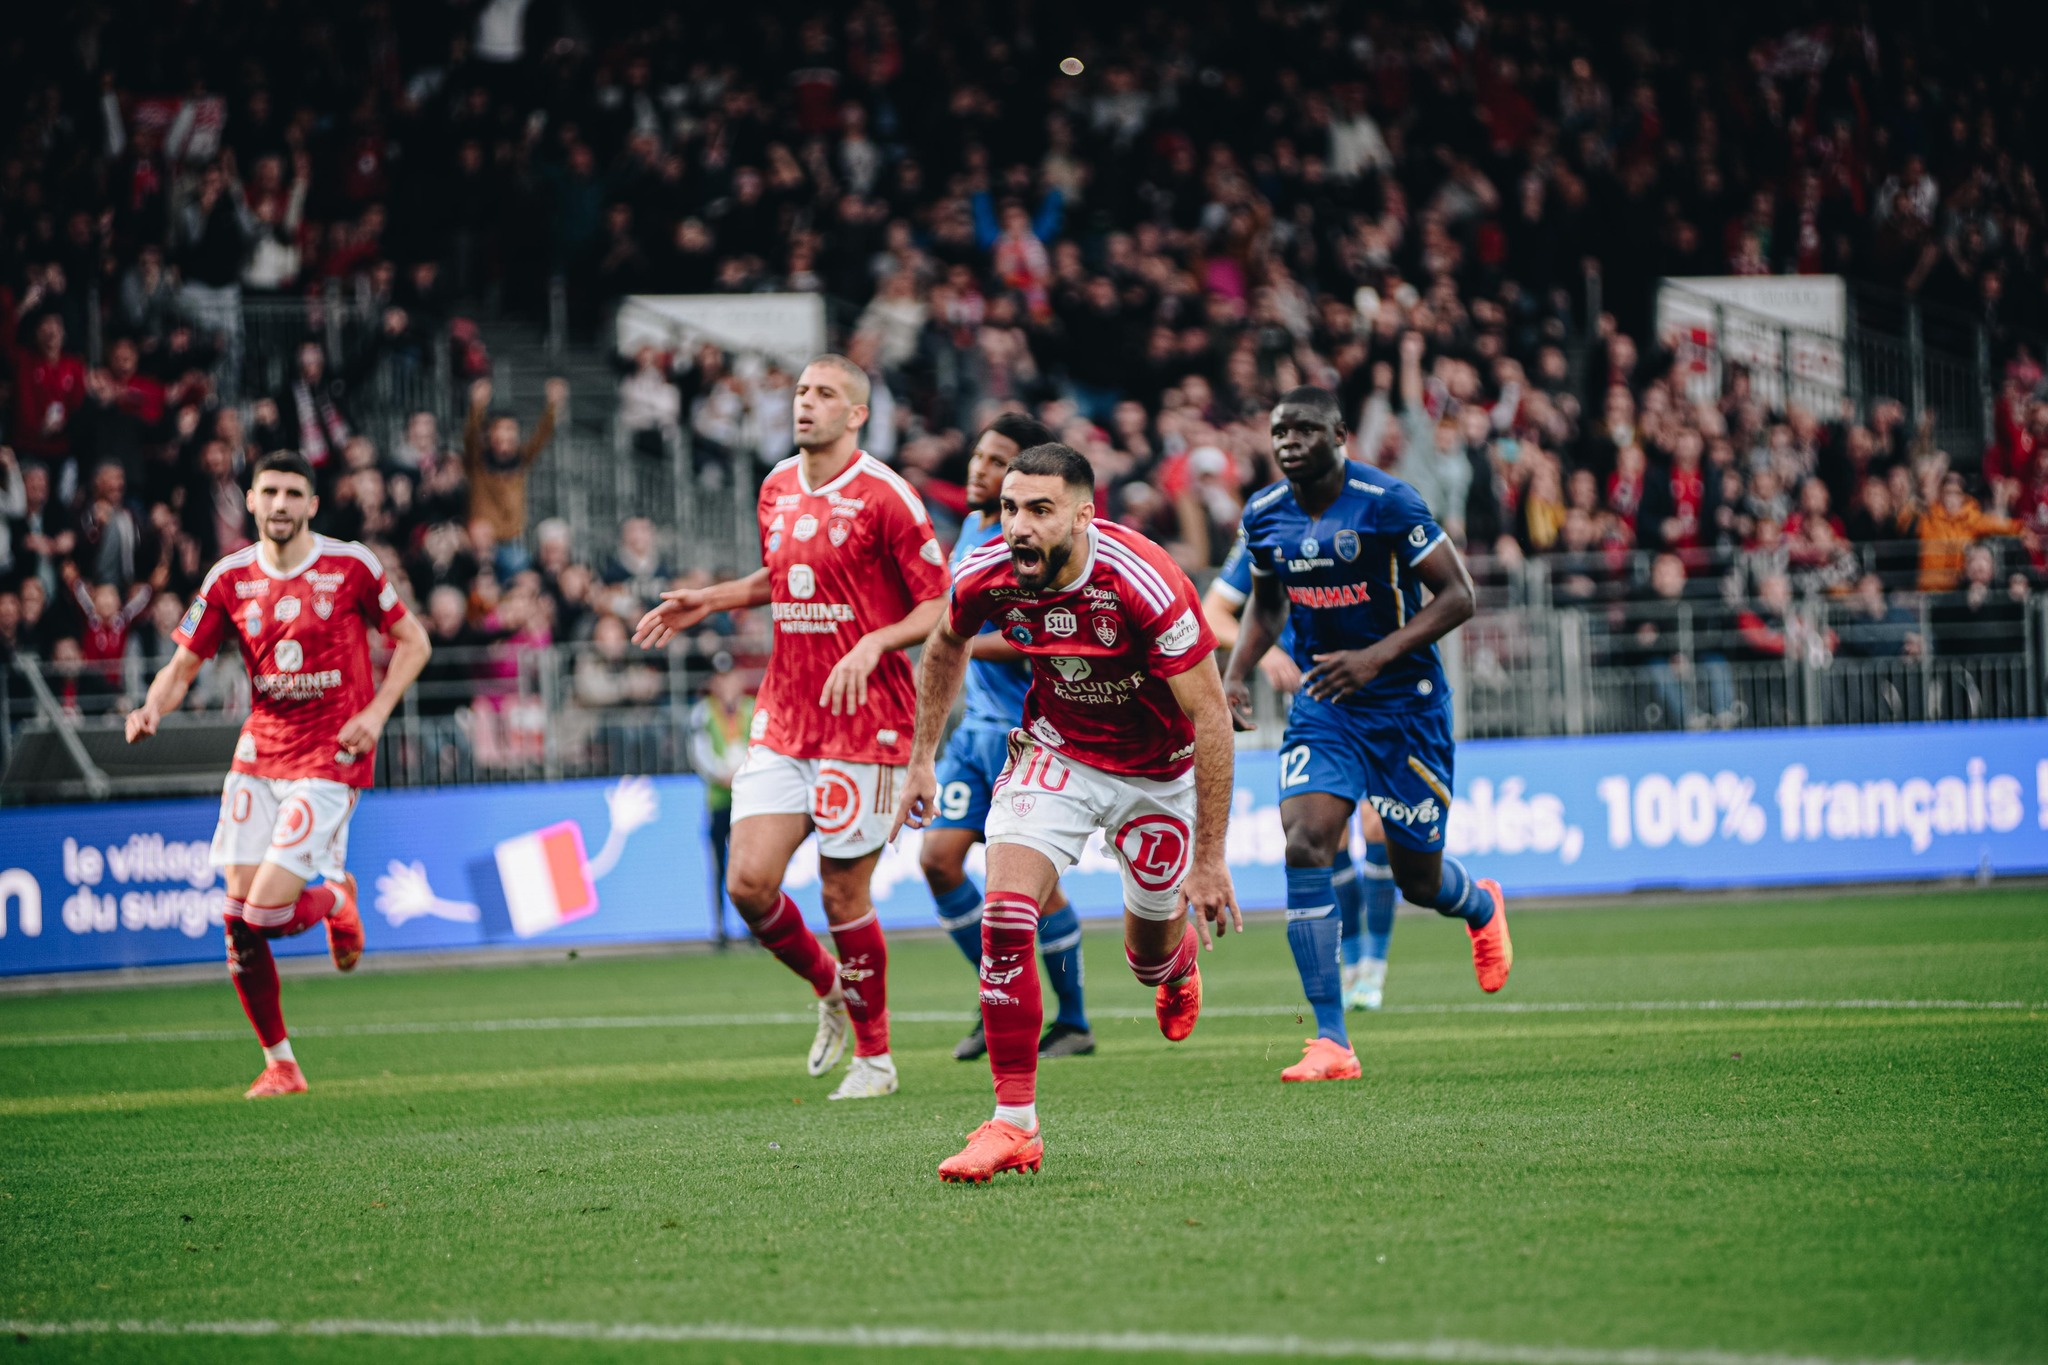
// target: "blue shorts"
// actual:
[[1398, 763], [968, 769]]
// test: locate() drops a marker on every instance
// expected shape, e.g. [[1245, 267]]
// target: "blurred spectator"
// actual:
[[1950, 525], [636, 568], [1982, 615], [720, 723], [1676, 636], [496, 461], [1878, 626]]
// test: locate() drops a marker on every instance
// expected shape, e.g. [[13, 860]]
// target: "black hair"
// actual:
[[1061, 461], [1320, 401], [285, 462], [1025, 431]]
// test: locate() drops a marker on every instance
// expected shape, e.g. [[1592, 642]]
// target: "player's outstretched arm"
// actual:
[[1211, 900], [939, 674], [166, 692], [682, 608], [409, 655], [846, 686], [1265, 615], [1443, 572]]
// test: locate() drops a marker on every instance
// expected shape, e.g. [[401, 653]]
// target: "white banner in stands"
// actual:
[[1781, 327], [789, 328]]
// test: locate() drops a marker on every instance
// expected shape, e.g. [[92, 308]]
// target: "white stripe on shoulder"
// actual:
[[240, 559], [1149, 582], [896, 481], [978, 562], [1362, 486], [789, 463], [352, 549]]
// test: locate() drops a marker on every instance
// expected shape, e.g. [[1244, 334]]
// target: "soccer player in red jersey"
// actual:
[[854, 577], [300, 606], [1125, 731]]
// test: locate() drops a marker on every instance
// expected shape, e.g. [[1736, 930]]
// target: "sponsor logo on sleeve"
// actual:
[[388, 598], [1180, 637], [931, 553], [193, 615], [1419, 536]]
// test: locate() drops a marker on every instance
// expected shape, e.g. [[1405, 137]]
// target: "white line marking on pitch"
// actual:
[[1451, 1351], [661, 1021]]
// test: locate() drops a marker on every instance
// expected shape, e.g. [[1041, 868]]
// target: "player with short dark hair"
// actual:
[[1342, 552], [997, 678], [853, 576], [300, 607], [1126, 731]]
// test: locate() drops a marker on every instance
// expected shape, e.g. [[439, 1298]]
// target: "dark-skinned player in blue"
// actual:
[[1342, 552]]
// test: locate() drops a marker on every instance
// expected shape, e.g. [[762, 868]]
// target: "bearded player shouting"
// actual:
[[855, 576], [1125, 731], [300, 606]]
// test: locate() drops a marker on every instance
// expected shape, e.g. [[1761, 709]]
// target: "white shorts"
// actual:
[[1048, 802], [850, 805], [301, 824]]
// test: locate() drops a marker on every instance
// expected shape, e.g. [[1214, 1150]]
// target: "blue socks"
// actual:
[[1059, 944], [960, 916], [1350, 905], [1313, 932], [1456, 895], [1378, 882]]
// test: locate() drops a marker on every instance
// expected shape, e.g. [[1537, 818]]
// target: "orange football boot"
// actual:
[[991, 1149], [279, 1078], [1324, 1060], [345, 926], [1177, 1004], [1493, 952]]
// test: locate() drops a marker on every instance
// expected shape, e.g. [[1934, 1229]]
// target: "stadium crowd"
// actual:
[[1402, 205]]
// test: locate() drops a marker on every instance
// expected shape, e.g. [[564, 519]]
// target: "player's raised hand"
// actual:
[[1212, 900], [846, 686], [1238, 693], [142, 722], [680, 609], [1336, 676], [920, 799]]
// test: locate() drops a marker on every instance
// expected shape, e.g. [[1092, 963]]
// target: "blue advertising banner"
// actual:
[[625, 861]]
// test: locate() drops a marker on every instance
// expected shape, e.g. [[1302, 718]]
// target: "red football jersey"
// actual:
[[845, 559], [305, 636], [1100, 650]]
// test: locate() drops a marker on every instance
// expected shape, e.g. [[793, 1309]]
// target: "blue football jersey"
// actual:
[[1349, 576], [995, 692], [1235, 578]]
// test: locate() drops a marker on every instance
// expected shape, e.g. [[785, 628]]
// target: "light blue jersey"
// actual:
[[994, 692]]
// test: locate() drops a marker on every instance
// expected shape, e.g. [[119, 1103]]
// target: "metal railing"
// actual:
[[701, 497]]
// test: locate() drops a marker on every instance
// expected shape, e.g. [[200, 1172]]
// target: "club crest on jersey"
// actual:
[[1347, 545], [802, 581], [1105, 631], [1310, 546], [287, 609], [806, 527], [1060, 621], [290, 658], [838, 531], [323, 607]]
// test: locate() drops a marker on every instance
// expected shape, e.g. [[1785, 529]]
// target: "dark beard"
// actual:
[[1055, 564]]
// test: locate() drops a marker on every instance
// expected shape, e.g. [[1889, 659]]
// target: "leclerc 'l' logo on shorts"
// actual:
[[1048, 802], [850, 805]]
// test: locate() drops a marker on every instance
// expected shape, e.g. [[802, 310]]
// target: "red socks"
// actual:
[[1012, 1010], [282, 921], [784, 934], [254, 972], [1173, 967], [864, 975]]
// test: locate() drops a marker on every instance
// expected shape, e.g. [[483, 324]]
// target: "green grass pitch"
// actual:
[[1567, 1169]]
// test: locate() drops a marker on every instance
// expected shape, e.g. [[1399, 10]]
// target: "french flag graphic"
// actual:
[[546, 878]]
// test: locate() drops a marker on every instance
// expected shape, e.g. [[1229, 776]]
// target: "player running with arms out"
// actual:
[[1341, 552], [1364, 891], [1125, 731], [300, 606], [854, 576], [997, 677]]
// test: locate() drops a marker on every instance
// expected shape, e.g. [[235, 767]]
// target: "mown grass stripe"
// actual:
[[1451, 1351]]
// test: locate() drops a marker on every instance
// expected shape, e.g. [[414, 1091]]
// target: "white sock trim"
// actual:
[[1023, 1116], [281, 1053]]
